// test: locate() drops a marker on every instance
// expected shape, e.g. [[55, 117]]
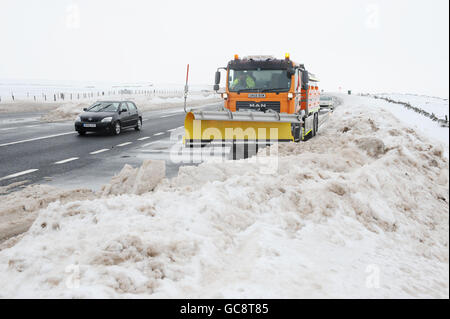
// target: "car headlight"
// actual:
[[78, 119], [107, 119]]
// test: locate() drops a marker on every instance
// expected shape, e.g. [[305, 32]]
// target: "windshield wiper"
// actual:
[[104, 107], [247, 90], [274, 89]]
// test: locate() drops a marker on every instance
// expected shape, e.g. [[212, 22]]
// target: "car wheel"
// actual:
[[117, 128], [81, 133], [139, 125]]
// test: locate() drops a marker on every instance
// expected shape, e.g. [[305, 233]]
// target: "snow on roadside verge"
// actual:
[[437, 106], [69, 110], [422, 125], [352, 215]]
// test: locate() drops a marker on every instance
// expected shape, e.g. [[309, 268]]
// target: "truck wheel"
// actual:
[[316, 122], [297, 133], [313, 132]]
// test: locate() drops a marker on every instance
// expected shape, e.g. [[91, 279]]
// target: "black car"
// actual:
[[109, 116]]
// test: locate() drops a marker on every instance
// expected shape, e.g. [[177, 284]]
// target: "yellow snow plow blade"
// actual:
[[222, 126]]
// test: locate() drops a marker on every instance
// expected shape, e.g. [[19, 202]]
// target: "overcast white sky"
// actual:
[[395, 46]]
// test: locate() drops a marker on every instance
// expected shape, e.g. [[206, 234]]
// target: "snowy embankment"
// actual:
[[437, 106], [68, 110], [359, 211]]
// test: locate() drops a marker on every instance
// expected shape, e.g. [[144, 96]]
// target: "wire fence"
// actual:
[[61, 96], [444, 122]]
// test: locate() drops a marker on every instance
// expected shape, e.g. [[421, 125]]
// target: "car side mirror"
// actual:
[[85, 109], [122, 110]]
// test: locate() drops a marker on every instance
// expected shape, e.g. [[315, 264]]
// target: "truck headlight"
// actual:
[[224, 96], [290, 96], [107, 119]]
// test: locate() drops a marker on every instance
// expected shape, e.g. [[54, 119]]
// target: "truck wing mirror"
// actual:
[[305, 77], [217, 79], [290, 72]]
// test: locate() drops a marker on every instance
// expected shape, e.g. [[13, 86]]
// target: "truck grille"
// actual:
[[258, 106]]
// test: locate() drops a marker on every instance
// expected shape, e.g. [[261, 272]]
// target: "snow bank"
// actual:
[[69, 110], [19, 209], [421, 124], [136, 180], [435, 105], [359, 211]]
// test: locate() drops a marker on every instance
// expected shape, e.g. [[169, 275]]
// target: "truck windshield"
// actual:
[[258, 81]]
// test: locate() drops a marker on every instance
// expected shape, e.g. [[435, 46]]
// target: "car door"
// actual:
[[134, 116], [125, 116]]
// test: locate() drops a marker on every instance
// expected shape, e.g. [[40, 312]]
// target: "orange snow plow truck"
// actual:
[[265, 100]]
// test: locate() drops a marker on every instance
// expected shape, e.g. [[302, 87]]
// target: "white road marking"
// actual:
[[99, 151], [164, 116], [31, 125], [174, 129], [124, 144], [37, 138], [18, 174], [160, 133], [143, 138], [67, 160], [8, 128]]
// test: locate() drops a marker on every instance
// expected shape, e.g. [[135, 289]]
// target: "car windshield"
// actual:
[[258, 81], [325, 98], [104, 107]]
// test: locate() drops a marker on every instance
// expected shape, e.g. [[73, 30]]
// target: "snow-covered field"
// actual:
[[421, 123], [435, 105], [29, 97], [359, 211]]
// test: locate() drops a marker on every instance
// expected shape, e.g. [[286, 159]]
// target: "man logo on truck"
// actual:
[[253, 105]]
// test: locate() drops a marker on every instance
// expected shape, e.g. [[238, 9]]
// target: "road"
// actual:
[[49, 152], [54, 154]]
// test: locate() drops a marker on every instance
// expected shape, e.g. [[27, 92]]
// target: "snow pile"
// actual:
[[423, 125], [136, 180], [19, 209], [67, 111], [359, 211]]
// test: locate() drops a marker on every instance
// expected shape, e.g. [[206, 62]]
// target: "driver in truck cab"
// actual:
[[244, 81]]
